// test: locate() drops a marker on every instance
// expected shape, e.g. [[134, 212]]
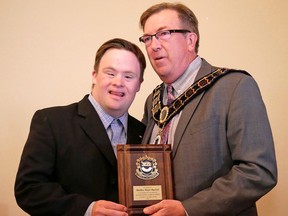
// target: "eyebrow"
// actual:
[[110, 68], [159, 29], [116, 70]]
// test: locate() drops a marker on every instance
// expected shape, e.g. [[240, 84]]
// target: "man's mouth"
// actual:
[[119, 94], [158, 58]]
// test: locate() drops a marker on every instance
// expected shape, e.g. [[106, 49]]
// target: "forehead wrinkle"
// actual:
[[168, 18], [109, 68]]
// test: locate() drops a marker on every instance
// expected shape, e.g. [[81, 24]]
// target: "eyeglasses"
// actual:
[[161, 35]]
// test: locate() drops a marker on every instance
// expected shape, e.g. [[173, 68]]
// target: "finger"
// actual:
[[103, 207], [111, 205], [152, 209], [112, 212]]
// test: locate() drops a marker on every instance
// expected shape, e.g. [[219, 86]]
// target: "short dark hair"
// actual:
[[118, 43], [187, 17]]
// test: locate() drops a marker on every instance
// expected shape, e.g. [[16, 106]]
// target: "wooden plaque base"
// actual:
[[144, 175]]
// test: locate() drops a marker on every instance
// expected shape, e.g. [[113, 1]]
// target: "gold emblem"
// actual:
[[146, 168], [164, 114]]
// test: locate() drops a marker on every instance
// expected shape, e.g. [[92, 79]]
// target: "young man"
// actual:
[[222, 147], [68, 166]]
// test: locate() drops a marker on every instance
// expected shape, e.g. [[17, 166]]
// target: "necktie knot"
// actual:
[[116, 127], [170, 96], [169, 88]]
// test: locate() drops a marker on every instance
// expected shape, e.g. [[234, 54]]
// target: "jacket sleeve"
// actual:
[[36, 188]]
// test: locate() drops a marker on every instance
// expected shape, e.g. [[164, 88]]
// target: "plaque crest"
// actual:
[[146, 168]]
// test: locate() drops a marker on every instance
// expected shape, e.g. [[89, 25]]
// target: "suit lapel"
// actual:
[[151, 122], [135, 131], [93, 127], [149, 128], [190, 108]]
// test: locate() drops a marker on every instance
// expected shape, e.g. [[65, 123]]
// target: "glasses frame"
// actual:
[[158, 35]]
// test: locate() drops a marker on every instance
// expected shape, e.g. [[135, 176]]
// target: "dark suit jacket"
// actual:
[[68, 161], [223, 152]]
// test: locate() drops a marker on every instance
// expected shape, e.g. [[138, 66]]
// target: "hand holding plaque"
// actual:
[[144, 175]]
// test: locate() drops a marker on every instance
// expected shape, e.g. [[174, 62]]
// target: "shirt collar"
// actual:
[[186, 79], [105, 117]]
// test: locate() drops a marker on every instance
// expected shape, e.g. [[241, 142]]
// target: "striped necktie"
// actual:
[[165, 132]]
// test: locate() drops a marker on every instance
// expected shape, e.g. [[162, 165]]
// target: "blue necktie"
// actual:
[[117, 134]]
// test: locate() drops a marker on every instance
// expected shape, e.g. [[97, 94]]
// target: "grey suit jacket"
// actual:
[[223, 152], [68, 161]]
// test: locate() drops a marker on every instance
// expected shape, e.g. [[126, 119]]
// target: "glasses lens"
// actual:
[[145, 39], [163, 35]]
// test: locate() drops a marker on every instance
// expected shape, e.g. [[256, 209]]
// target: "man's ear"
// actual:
[[191, 40], [139, 86], [94, 74]]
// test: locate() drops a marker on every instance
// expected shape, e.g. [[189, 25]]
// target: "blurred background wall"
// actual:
[[47, 51]]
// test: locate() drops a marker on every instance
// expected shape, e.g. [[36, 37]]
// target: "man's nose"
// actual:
[[155, 43], [118, 79]]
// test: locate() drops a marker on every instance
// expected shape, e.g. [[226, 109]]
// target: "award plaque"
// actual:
[[144, 175]]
